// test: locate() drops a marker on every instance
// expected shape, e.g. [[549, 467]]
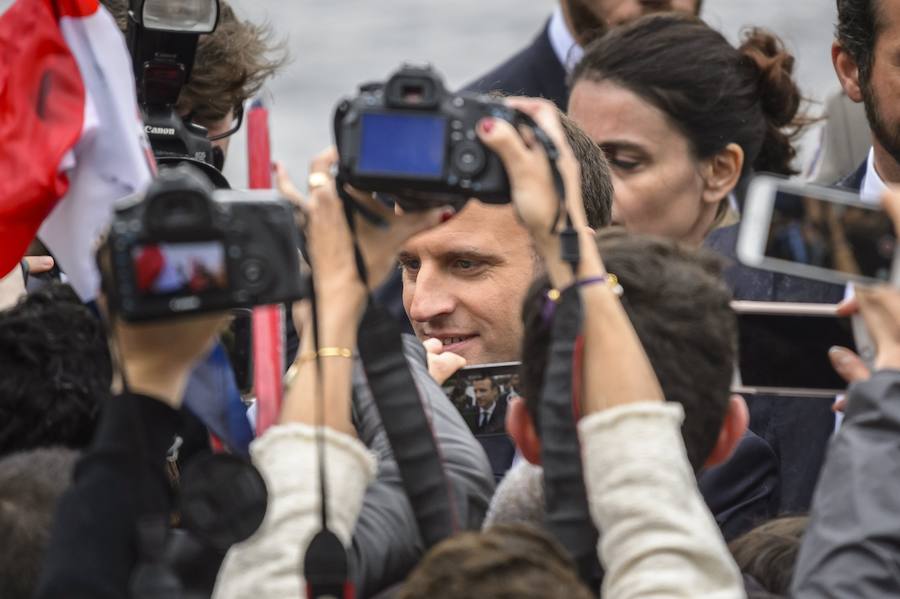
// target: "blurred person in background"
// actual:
[[55, 371], [541, 68], [685, 118], [31, 483]]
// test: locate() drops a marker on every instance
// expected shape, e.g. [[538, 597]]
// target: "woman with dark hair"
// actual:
[[683, 116]]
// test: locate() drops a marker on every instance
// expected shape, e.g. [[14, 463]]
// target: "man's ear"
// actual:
[[722, 172], [847, 71], [521, 428], [733, 428]]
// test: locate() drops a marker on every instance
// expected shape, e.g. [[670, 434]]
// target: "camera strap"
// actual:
[[325, 563], [567, 515], [407, 426]]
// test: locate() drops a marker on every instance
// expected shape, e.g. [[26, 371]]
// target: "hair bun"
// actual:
[[779, 97], [778, 93]]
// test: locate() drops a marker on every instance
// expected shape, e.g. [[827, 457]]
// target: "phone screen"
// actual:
[[481, 394], [791, 351], [852, 240]]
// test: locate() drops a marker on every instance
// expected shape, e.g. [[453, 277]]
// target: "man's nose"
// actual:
[[432, 296]]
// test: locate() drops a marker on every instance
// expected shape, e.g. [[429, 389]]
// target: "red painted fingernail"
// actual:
[[447, 215], [487, 124]]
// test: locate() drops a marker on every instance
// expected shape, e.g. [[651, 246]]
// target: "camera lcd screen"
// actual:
[[180, 268], [481, 394], [848, 239], [791, 351], [411, 145]]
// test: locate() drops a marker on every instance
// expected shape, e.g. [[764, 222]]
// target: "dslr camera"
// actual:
[[411, 139], [187, 248], [162, 38]]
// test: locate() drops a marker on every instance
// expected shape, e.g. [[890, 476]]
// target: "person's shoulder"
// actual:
[[525, 73], [853, 181]]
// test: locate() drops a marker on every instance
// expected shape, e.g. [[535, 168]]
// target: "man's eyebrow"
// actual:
[[472, 254], [404, 256]]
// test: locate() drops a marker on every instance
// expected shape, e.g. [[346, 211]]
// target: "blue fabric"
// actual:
[[212, 395]]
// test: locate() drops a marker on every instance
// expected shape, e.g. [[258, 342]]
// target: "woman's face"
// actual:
[[658, 184]]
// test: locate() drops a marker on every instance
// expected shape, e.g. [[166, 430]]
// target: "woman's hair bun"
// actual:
[[779, 98]]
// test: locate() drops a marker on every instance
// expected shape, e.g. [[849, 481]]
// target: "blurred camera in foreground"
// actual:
[[187, 248], [411, 139]]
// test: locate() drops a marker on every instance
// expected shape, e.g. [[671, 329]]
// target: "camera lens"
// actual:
[[468, 158]]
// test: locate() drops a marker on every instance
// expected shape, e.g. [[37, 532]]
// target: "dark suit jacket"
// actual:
[[534, 71], [743, 492], [798, 429], [497, 422]]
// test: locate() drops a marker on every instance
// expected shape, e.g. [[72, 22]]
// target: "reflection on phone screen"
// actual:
[[848, 239]]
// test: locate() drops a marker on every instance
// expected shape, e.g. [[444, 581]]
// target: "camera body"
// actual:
[[162, 39], [188, 248], [412, 139]]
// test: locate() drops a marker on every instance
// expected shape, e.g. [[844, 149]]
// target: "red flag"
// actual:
[[73, 142]]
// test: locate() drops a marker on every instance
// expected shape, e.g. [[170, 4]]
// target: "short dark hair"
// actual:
[[681, 311], [857, 30], [596, 183], [768, 553], [507, 560], [31, 484], [713, 93], [55, 371], [231, 65]]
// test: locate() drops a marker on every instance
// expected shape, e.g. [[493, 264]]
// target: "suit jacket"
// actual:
[[497, 421], [743, 492], [534, 71]]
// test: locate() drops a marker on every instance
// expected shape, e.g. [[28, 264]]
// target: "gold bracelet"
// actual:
[[325, 352]]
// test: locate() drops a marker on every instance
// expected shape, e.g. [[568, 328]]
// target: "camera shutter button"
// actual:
[[468, 158]]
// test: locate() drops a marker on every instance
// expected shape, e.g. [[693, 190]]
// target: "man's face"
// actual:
[[485, 393], [591, 15], [464, 281], [881, 91]]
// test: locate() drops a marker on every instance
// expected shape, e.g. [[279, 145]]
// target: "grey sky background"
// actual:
[[336, 44]]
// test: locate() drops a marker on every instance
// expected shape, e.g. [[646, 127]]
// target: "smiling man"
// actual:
[[464, 281]]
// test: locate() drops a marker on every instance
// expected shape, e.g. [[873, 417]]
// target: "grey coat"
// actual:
[[852, 545], [386, 542]]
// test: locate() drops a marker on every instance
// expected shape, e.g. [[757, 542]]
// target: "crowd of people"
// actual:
[[614, 461]]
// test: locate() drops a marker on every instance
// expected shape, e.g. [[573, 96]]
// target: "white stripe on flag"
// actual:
[[110, 158]]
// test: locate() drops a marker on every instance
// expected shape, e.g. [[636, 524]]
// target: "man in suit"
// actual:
[[541, 68], [491, 406]]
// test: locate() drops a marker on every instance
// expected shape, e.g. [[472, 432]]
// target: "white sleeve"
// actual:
[[658, 538], [269, 564]]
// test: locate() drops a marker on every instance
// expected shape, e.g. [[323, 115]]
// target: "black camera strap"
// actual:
[[407, 426], [325, 563], [400, 407], [567, 514]]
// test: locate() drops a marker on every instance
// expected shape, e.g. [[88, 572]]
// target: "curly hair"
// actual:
[[55, 371], [231, 65]]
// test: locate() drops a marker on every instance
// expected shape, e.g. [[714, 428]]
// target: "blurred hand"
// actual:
[[531, 181], [157, 357], [329, 238], [441, 364], [12, 286]]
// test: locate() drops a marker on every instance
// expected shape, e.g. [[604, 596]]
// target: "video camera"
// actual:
[[187, 248], [411, 139], [162, 38]]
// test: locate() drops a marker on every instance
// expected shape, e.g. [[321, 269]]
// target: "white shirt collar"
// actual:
[[566, 49], [872, 186]]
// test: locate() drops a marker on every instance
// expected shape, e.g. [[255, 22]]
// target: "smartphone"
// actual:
[[817, 232], [481, 394], [783, 348]]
